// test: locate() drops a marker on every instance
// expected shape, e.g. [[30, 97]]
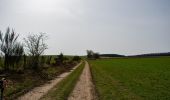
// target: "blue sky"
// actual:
[[106, 26]]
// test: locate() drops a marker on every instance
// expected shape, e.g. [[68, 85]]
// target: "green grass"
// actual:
[[18, 88], [65, 87], [132, 78]]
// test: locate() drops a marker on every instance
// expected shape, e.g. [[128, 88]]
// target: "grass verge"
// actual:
[[62, 90]]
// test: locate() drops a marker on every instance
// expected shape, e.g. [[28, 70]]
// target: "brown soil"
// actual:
[[84, 89]]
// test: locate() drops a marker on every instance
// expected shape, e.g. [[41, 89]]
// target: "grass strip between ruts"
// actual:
[[62, 90]]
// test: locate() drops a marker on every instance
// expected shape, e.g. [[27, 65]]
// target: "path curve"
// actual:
[[38, 92], [84, 89]]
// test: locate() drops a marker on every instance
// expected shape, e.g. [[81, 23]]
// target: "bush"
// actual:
[[76, 58]]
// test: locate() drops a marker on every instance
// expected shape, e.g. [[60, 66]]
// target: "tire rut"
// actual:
[[38, 92], [84, 89]]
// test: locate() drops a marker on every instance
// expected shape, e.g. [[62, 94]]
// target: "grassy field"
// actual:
[[64, 88], [132, 78]]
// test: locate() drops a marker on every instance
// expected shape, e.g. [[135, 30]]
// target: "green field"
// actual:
[[132, 78]]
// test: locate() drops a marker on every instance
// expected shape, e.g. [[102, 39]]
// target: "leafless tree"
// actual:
[[35, 45], [90, 53]]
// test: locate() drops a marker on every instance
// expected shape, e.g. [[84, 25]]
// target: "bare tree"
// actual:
[[9, 46], [90, 53], [35, 45]]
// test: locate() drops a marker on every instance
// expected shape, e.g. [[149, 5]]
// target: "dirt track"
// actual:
[[38, 92], [84, 89]]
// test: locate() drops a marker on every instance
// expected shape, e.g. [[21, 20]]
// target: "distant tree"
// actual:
[[11, 49], [61, 56], [76, 58], [89, 53], [35, 45], [48, 61], [60, 59], [96, 55], [92, 55]]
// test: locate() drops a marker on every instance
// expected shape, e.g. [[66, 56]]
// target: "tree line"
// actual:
[[18, 56]]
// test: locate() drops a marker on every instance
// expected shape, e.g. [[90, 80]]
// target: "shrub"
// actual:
[[76, 58]]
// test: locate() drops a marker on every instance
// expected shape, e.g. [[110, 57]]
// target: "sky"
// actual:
[[126, 27]]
